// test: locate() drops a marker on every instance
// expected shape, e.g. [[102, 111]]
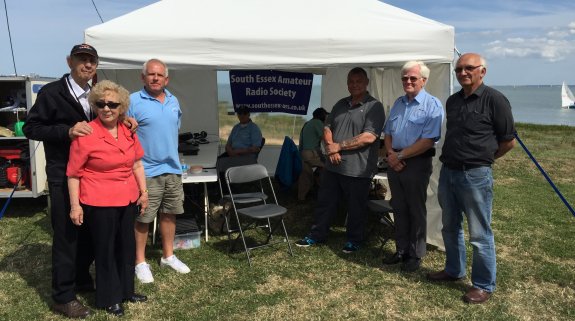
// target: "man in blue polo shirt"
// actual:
[[245, 138], [158, 114], [413, 128]]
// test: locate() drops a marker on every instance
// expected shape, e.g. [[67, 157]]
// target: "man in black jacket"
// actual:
[[60, 114]]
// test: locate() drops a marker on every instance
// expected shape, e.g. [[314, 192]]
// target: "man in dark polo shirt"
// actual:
[[480, 129], [351, 140]]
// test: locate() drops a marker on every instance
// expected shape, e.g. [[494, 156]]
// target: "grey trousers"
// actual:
[[408, 196]]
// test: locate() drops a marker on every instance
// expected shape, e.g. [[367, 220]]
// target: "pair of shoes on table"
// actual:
[[476, 296], [175, 264], [143, 273], [442, 276], [350, 247], [306, 242], [73, 309], [115, 310], [136, 298]]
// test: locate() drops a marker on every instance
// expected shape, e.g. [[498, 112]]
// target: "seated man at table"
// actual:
[[244, 143], [245, 138]]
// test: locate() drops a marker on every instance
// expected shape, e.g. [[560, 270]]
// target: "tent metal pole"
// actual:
[[293, 127], [545, 174]]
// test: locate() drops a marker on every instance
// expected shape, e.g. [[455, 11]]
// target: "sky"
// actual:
[[525, 42]]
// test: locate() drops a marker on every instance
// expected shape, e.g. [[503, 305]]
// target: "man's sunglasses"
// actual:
[[101, 104]]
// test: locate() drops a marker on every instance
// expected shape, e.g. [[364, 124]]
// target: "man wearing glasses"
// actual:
[[413, 128], [59, 115], [159, 117], [480, 129]]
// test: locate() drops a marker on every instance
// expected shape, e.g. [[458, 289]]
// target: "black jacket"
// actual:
[[49, 120]]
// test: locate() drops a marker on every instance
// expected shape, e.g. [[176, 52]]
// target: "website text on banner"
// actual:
[[271, 91]]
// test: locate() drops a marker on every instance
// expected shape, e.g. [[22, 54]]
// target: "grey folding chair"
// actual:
[[257, 196], [384, 211], [251, 214]]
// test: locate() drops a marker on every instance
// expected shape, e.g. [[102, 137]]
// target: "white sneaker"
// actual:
[[175, 264], [143, 273]]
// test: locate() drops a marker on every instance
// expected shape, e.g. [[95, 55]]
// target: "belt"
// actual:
[[428, 153], [463, 167]]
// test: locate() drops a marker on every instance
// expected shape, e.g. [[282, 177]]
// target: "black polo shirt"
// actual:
[[475, 126]]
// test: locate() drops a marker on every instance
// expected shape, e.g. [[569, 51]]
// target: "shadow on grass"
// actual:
[[32, 263], [25, 207], [234, 248]]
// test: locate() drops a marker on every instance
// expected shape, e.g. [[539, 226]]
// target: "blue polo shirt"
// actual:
[[410, 121], [158, 125], [245, 136]]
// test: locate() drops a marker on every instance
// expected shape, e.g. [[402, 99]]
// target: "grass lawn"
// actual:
[[534, 235]]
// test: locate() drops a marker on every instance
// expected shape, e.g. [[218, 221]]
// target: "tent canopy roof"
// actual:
[[269, 34]]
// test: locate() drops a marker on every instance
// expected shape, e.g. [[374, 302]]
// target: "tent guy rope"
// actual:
[[557, 191]]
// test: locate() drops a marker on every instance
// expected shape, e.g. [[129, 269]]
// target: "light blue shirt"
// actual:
[[245, 136], [410, 121], [158, 125]]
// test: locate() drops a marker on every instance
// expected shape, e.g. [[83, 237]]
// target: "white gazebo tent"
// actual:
[[197, 38]]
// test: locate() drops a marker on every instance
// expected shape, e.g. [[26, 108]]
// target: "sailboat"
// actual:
[[567, 97]]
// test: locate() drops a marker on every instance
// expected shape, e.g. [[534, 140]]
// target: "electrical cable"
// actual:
[[98, 12], [102, 20], [10, 37]]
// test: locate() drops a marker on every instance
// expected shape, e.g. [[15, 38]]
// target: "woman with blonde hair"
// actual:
[[107, 184]]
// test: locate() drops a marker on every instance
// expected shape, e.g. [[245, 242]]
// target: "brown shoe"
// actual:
[[441, 276], [476, 295], [73, 309]]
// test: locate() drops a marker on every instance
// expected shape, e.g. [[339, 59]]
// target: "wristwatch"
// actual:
[[399, 156]]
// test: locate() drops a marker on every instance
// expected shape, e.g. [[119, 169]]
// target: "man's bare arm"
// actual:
[[504, 147], [355, 142]]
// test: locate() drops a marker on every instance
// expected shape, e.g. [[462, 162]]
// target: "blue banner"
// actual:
[[271, 91]]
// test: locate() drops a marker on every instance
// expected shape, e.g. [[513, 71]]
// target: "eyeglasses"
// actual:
[[101, 104], [412, 78], [466, 68]]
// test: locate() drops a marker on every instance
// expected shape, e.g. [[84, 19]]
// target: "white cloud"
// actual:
[[554, 45], [515, 40], [558, 34], [538, 47]]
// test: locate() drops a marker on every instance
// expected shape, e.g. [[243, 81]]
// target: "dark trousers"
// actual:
[[354, 191], [408, 196], [72, 252], [112, 230]]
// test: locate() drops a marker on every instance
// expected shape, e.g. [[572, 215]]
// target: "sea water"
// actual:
[[530, 104], [538, 105]]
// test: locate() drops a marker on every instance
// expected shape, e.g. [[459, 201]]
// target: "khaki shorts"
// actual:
[[165, 195]]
